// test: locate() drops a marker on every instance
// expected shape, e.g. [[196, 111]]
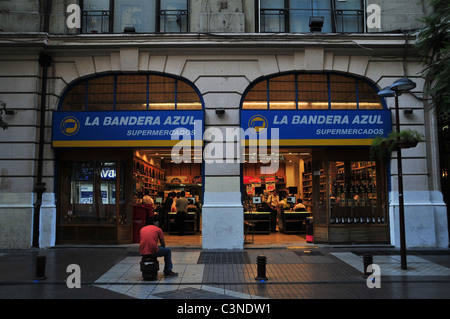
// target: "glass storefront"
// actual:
[[102, 193], [94, 196], [113, 140], [323, 125], [114, 146], [353, 193], [345, 197]]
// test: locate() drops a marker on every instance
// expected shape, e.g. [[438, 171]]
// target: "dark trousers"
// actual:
[[180, 222], [167, 254], [273, 220]]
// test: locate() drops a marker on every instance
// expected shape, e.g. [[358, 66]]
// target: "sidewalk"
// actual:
[[302, 272]]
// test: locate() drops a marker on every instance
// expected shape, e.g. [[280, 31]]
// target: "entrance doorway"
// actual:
[[101, 198], [112, 135], [319, 127], [338, 190], [158, 174]]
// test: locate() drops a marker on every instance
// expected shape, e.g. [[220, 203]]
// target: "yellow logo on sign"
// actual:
[[70, 126], [258, 124]]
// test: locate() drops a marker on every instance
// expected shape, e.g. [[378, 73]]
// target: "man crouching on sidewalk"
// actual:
[[150, 235]]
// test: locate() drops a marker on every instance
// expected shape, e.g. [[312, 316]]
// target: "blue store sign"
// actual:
[[125, 128], [317, 127]]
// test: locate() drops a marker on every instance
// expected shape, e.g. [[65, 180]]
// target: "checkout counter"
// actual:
[[293, 222], [190, 223], [258, 222], [257, 217]]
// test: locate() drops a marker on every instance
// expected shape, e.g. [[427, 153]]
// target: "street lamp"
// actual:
[[403, 85], [395, 90]]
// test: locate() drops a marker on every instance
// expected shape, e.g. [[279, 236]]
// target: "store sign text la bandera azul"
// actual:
[[125, 128], [167, 128], [185, 129], [314, 127]]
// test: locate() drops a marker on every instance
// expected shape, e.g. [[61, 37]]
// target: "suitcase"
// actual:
[[149, 268]]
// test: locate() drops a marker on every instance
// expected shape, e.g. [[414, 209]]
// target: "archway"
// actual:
[[114, 134], [317, 128]]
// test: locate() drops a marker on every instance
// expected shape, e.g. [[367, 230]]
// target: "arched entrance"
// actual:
[[317, 128], [115, 137]]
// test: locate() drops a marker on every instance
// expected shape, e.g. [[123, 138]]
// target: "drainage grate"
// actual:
[[209, 257], [192, 293], [309, 253]]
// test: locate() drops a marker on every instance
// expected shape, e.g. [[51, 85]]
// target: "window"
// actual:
[[282, 92], [312, 92], [256, 98], [273, 16], [301, 10], [349, 16], [132, 92], [105, 16], [173, 16], [84, 177], [353, 193], [187, 99], [162, 92], [100, 93], [139, 14], [92, 185], [293, 15], [82, 183], [343, 92], [367, 97], [96, 16]]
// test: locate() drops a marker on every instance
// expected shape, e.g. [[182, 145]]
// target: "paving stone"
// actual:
[[114, 273]]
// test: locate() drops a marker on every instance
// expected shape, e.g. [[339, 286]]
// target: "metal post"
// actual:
[[401, 205], [261, 262], [368, 260], [40, 267], [399, 86], [45, 61]]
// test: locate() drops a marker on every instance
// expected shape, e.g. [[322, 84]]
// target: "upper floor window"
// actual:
[[311, 91], [106, 16], [131, 92], [292, 16]]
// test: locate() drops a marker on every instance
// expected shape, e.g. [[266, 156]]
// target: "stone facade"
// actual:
[[221, 67]]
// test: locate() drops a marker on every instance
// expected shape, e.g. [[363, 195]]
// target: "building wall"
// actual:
[[399, 14], [221, 68], [235, 16], [20, 16]]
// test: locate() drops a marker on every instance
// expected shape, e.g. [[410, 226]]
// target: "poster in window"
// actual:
[[131, 16]]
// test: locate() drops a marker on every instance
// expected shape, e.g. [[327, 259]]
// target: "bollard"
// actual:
[[368, 260], [40, 267], [261, 262]]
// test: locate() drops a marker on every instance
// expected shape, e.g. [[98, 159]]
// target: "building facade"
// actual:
[[95, 87]]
